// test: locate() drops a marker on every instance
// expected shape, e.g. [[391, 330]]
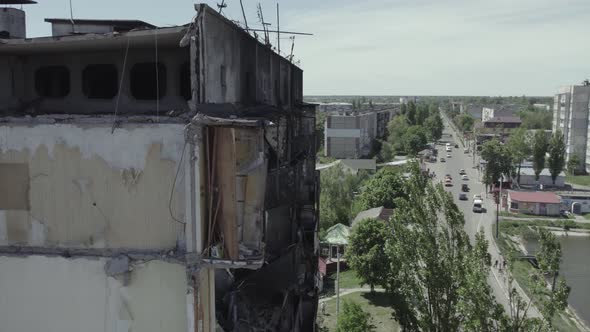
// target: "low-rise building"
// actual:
[[577, 202], [534, 202], [527, 177], [502, 122]]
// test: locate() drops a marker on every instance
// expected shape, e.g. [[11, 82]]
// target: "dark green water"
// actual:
[[575, 267]]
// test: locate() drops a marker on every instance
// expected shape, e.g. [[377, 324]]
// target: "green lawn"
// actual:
[[582, 180], [517, 227], [347, 280], [378, 305], [522, 215]]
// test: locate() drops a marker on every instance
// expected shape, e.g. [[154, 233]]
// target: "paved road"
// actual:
[[473, 221]]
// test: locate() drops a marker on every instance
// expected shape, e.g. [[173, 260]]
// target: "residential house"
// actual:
[[534, 202], [577, 202], [380, 213]]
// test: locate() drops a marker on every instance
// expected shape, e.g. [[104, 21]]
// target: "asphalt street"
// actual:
[[474, 222]]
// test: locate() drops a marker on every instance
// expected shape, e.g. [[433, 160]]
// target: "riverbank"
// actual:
[[513, 237]]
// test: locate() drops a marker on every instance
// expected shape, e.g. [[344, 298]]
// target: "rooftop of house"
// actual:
[[376, 213], [528, 170], [337, 234], [504, 119], [534, 197]]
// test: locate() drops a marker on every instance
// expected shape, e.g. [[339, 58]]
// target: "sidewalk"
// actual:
[[346, 291]]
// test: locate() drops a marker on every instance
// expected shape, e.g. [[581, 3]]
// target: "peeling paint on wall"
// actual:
[[97, 141], [72, 295], [79, 196]]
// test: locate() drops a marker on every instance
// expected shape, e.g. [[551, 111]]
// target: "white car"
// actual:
[[477, 197], [464, 177]]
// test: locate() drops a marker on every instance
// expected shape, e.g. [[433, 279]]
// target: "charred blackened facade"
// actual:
[[155, 177]]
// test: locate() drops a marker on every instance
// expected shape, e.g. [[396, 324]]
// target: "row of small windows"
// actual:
[[147, 81]]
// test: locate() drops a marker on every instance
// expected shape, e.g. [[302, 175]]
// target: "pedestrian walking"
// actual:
[[504, 264], [496, 264]]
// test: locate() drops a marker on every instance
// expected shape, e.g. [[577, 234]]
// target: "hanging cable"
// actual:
[[120, 86], [157, 79], [174, 185]]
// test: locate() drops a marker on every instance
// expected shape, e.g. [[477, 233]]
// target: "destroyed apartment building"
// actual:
[[154, 179]]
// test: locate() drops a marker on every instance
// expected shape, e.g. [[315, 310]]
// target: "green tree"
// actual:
[[498, 161], [414, 140], [573, 164], [464, 122], [354, 319], [421, 113], [382, 189], [403, 109], [549, 258], [519, 148], [434, 127], [411, 113], [540, 146], [426, 254], [337, 195], [396, 129], [365, 253], [556, 159]]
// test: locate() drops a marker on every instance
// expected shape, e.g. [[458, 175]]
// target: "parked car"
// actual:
[[448, 155], [466, 150], [442, 160], [462, 171], [462, 196], [464, 177], [456, 145], [464, 187]]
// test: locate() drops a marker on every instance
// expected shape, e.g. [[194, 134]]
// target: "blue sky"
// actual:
[[398, 47]]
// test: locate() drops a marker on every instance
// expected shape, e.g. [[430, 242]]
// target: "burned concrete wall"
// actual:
[[78, 185], [70, 295], [234, 67], [96, 74]]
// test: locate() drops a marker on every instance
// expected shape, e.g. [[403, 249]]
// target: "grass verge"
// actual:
[[582, 180], [348, 279], [522, 215], [521, 270], [377, 304]]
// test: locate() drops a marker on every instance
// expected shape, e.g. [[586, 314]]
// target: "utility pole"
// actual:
[[337, 283], [498, 207]]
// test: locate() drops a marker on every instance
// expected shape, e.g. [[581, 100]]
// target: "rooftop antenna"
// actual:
[[221, 6], [278, 31], [292, 46], [264, 25], [72, 18]]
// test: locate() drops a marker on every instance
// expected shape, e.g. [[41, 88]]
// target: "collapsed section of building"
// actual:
[[155, 179]]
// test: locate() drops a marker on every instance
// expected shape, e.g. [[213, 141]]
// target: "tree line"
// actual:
[[410, 130], [505, 160], [437, 279]]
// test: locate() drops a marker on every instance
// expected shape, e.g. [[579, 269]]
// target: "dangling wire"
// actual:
[[120, 86], [157, 79]]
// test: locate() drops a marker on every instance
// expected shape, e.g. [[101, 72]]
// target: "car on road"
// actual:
[[448, 155], [466, 150], [478, 206], [448, 149], [448, 176], [464, 177], [442, 160], [477, 197], [464, 187], [463, 196], [448, 182], [456, 146], [462, 171]]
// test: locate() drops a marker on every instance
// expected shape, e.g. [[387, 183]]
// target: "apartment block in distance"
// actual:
[[154, 179], [351, 135], [570, 115]]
